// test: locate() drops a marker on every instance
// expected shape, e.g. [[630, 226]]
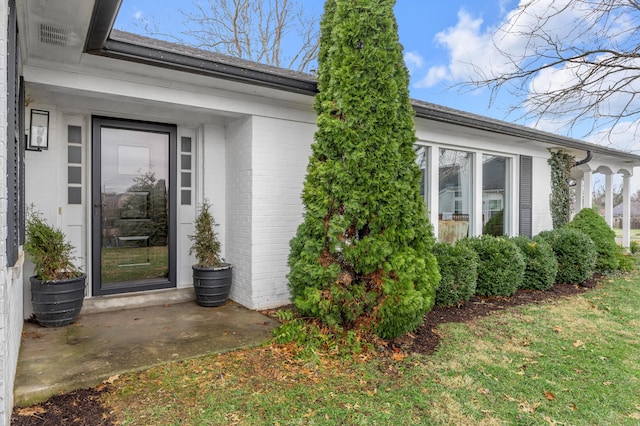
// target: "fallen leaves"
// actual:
[[549, 395], [578, 344], [34, 411]]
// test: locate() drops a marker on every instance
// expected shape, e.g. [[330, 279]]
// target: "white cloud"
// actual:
[[413, 60], [478, 52], [434, 76], [138, 15], [622, 136], [471, 51]]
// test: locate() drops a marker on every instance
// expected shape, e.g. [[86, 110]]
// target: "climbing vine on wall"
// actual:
[[560, 199]]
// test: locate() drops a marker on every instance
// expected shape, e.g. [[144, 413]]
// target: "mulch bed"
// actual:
[[425, 339], [84, 408]]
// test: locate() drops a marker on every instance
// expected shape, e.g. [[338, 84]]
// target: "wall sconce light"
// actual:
[[39, 133]]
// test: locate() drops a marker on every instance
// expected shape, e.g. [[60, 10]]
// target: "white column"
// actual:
[[433, 182], [587, 190], [579, 187], [608, 199], [626, 211], [476, 210]]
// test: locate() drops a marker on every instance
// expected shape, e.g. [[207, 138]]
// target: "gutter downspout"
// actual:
[[585, 160]]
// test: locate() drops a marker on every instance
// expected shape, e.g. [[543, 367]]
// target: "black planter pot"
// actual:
[[212, 285], [57, 303]]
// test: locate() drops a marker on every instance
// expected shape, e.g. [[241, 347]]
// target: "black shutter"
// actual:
[[15, 135], [526, 172]]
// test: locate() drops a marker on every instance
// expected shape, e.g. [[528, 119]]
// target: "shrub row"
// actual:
[[498, 266]]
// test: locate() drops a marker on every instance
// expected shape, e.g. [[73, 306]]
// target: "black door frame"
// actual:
[[97, 123]]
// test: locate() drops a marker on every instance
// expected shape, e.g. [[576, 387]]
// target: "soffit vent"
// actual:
[[55, 35]]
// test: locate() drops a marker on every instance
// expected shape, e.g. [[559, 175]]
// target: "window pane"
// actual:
[[455, 197], [185, 179], [185, 162], [422, 161], [74, 195], [74, 134], [74, 174], [494, 185], [74, 155], [186, 144]]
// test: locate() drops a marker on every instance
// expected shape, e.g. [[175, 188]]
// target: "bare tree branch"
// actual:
[[274, 32], [575, 60]]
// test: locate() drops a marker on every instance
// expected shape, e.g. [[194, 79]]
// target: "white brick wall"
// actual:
[[238, 208], [281, 152], [266, 165], [541, 190], [10, 278]]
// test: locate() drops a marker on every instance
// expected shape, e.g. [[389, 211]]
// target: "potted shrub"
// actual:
[[57, 286], [211, 275]]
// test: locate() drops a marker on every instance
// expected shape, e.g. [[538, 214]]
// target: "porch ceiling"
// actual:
[[129, 107], [53, 30]]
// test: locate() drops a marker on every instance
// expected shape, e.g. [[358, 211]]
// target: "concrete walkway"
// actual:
[[101, 345]]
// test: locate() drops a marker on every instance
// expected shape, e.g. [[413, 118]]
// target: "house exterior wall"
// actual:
[[541, 192], [10, 276], [251, 167], [281, 150], [239, 208], [251, 154]]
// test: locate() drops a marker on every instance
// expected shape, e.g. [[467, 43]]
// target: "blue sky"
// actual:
[[419, 22]]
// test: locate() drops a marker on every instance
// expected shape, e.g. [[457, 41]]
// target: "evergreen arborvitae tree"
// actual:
[[362, 257]]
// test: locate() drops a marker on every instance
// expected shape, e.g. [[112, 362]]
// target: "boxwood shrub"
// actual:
[[458, 271], [594, 225], [541, 265], [575, 252], [501, 265]]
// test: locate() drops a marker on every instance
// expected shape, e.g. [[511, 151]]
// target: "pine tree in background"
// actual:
[[362, 257]]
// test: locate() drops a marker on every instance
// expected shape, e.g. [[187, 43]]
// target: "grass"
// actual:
[[635, 233], [573, 361]]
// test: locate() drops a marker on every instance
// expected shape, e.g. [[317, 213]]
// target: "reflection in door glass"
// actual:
[[134, 194]]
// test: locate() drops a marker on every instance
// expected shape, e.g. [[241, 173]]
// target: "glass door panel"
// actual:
[[132, 245]]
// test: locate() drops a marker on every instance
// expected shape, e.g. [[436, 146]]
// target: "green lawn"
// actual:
[[635, 233], [575, 361]]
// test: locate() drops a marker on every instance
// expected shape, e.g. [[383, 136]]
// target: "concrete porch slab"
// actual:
[[100, 345]]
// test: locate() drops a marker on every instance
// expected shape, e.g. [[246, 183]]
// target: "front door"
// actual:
[[133, 206]]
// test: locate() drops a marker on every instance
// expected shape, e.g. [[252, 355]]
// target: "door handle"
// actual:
[[96, 209]]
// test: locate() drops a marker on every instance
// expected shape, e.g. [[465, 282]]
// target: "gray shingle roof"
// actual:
[[124, 45]]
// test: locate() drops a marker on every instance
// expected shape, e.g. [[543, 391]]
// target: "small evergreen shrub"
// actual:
[[634, 247], [205, 243], [594, 225], [575, 252], [501, 265], [50, 252], [458, 271], [541, 265], [626, 261]]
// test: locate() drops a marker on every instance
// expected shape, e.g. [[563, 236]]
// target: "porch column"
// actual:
[[476, 210], [608, 199], [587, 190], [626, 210], [433, 182], [579, 186]]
